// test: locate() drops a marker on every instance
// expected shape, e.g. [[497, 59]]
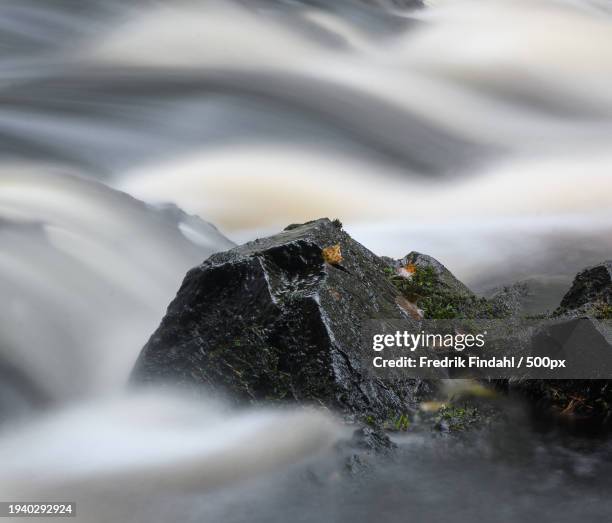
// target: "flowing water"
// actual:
[[475, 131]]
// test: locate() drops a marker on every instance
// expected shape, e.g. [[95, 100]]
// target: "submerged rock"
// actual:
[[282, 318]]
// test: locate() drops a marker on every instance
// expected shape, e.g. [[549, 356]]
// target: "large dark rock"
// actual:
[[273, 320], [282, 319]]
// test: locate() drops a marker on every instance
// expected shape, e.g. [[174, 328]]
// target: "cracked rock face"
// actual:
[[273, 320]]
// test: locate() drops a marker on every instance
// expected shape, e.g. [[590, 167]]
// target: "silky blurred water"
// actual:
[[475, 131]]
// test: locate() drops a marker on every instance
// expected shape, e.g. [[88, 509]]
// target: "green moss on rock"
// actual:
[[438, 299]]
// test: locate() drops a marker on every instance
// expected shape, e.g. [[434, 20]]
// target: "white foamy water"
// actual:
[[464, 112], [86, 273], [154, 441]]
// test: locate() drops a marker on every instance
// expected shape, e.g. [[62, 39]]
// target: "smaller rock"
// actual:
[[584, 402], [444, 275], [366, 447], [434, 291], [590, 291], [372, 439], [511, 299]]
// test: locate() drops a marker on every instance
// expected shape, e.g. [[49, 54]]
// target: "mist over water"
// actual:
[[474, 131]]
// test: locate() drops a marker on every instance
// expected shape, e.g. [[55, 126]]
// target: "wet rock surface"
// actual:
[[591, 292], [273, 320], [282, 319]]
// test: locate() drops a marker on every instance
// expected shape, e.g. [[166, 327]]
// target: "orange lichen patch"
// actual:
[[332, 255], [409, 308], [407, 271], [411, 268]]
